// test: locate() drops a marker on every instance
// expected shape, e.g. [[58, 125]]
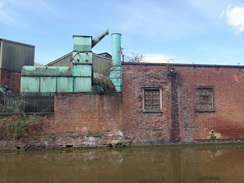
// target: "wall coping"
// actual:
[[181, 65]]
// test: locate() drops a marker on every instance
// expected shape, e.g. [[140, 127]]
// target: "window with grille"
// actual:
[[204, 99], [152, 100]]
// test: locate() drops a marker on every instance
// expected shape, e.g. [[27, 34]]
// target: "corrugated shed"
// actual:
[[62, 61], [15, 55], [101, 62]]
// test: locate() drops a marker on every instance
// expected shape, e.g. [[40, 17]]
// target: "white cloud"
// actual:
[[158, 59], [235, 18]]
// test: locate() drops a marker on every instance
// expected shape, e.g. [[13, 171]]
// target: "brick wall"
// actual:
[[81, 113], [12, 79], [145, 126], [178, 120], [76, 116], [227, 121], [122, 114]]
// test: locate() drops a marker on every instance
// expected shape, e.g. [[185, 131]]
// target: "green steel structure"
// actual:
[[46, 79], [116, 70], [77, 78]]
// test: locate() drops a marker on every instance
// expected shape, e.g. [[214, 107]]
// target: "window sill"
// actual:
[[209, 111], [152, 111]]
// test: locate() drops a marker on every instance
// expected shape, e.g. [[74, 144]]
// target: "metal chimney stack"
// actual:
[[116, 70]]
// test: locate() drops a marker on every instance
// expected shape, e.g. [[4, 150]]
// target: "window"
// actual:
[[152, 99], [204, 99]]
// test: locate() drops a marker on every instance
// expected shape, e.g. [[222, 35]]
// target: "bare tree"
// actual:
[[132, 57]]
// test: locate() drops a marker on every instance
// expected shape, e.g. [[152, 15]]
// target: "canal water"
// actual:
[[204, 164]]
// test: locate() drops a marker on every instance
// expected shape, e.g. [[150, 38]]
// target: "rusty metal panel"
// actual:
[[15, 55], [64, 84], [30, 84], [48, 84]]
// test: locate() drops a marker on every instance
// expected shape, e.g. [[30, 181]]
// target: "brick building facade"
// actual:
[[159, 103], [196, 102]]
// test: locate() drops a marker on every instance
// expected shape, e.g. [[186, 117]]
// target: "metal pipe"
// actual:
[[116, 70], [116, 49], [99, 37]]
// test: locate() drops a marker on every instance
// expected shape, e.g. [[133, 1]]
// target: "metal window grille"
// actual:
[[27, 101], [152, 100], [204, 99]]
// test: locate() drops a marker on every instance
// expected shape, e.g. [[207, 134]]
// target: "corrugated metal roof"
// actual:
[[101, 62], [14, 42], [15, 55], [64, 59]]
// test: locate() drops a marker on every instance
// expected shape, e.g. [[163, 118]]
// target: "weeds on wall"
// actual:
[[171, 71], [16, 124], [19, 125], [12, 107], [93, 134]]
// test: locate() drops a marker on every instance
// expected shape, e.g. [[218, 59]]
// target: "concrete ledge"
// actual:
[[82, 141]]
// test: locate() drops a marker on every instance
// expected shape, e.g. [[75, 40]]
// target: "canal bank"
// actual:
[[69, 141]]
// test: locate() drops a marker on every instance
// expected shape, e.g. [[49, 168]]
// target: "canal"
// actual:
[[151, 164]]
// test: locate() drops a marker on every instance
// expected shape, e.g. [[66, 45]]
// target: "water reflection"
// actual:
[[214, 152], [211, 164]]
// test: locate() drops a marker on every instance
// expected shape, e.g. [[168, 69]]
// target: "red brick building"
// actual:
[[171, 103], [159, 103]]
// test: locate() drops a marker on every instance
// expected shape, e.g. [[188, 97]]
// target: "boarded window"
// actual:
[[204, 99], [152, 100]]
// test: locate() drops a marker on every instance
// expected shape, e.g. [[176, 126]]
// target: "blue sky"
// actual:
[[178, 31]]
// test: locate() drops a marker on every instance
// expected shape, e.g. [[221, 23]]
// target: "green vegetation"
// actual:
[[94, 134], [19, 125], [12, 106], [16, 124], [120, 144]]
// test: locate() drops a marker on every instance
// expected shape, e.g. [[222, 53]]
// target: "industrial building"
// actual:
[[147, 103], [13, 56]]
